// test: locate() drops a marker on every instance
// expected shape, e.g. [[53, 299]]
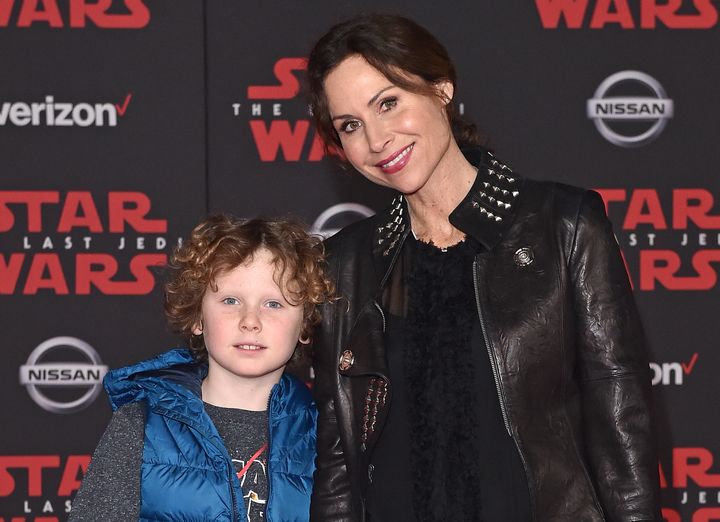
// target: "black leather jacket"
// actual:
[[563, 336]]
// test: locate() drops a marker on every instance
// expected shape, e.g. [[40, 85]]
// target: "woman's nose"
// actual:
[[378, 136]]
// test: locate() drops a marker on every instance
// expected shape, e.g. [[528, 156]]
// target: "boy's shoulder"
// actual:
[[291, 395]]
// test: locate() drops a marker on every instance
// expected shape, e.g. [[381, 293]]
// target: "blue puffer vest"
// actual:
[[187, 473]]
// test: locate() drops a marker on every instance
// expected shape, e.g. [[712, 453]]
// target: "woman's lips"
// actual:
[[397, 161]]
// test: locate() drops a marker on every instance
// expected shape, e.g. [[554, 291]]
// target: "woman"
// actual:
[[488, 362]]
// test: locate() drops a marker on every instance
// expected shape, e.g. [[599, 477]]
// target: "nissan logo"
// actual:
[[655, 108]]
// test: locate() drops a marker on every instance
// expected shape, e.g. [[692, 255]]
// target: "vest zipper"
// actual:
[[231, 472], [267, 467]]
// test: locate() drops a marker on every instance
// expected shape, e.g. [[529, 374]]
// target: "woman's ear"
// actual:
[[445, 90], [304, 339]]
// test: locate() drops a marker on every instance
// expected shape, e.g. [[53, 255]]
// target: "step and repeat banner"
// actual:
[[123, 122]]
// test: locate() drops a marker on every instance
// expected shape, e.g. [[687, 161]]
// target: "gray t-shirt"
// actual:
[[111, 488]]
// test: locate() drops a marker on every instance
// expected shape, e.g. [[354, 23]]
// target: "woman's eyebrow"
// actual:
[[369, 103]]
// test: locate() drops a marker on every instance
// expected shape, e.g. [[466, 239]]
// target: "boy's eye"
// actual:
[[230, 301], [274, 304], [387, 104], [349, 126]]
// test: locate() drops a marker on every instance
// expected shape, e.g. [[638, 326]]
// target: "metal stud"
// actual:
[[347, 359], [524, 256]]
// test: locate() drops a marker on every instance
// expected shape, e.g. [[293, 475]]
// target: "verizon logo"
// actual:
[[51, 113]]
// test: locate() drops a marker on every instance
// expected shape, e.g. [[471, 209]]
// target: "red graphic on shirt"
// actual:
[[253, 472]]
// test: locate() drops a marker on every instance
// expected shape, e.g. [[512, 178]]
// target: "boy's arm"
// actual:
[[110, 490]]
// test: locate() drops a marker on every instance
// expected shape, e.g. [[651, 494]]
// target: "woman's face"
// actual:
[[393, 137]]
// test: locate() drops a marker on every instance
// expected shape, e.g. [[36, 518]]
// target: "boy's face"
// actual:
[[250, 329]]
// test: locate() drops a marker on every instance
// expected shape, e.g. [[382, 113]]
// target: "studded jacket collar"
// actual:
[[486, 212]]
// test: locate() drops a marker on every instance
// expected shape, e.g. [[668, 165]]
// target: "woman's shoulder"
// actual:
[[352, 236], [565, 200]]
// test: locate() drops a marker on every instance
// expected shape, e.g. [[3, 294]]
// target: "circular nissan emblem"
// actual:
[[336, 217], [656, 108], [35, 375]]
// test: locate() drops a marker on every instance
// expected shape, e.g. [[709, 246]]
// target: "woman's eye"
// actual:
[[349, 126], [387, 104], [230, 301]]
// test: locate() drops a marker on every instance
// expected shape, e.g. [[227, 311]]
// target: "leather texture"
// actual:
[[187, 473], [563, 335]]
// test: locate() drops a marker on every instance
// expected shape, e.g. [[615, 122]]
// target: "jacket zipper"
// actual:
[[382, 314], [267, 467], [231, 470], [496, 376], [491, 355], [232, 494]]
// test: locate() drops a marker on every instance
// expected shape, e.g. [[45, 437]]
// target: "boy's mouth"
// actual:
[[250, 347]]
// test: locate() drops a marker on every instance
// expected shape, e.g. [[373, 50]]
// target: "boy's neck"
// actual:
[[230, 391]]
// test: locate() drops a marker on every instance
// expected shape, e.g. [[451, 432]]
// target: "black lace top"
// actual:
[[444, 453]]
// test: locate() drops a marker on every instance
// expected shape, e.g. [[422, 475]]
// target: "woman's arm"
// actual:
[[614, 375], [110, 490], [332, 493], [332, 498]]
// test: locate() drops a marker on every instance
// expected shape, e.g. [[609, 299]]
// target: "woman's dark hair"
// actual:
[[401, 50]]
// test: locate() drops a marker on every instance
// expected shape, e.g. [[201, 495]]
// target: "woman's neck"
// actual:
[[430, 207]]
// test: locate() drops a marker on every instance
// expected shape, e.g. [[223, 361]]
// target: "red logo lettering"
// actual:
[[92, 271], [689, 206], [80, 211], [80, 12], [574, 14], [662, 266], [279, 136], [33, 464], [25, 476], [289, 84]]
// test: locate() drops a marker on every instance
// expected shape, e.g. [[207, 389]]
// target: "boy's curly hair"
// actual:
[[220, 243]]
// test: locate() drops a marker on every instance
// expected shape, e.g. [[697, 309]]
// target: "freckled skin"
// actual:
[[250, 329]]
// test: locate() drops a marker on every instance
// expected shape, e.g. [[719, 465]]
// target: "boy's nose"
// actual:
[[250, 322]]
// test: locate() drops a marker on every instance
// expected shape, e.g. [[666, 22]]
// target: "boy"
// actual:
[[218, 432]]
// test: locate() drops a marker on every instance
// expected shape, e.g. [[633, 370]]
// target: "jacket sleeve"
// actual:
[[110, 490], [332, 499], [615, 383]]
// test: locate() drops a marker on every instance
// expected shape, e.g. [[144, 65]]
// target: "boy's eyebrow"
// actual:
[[369, 103]]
